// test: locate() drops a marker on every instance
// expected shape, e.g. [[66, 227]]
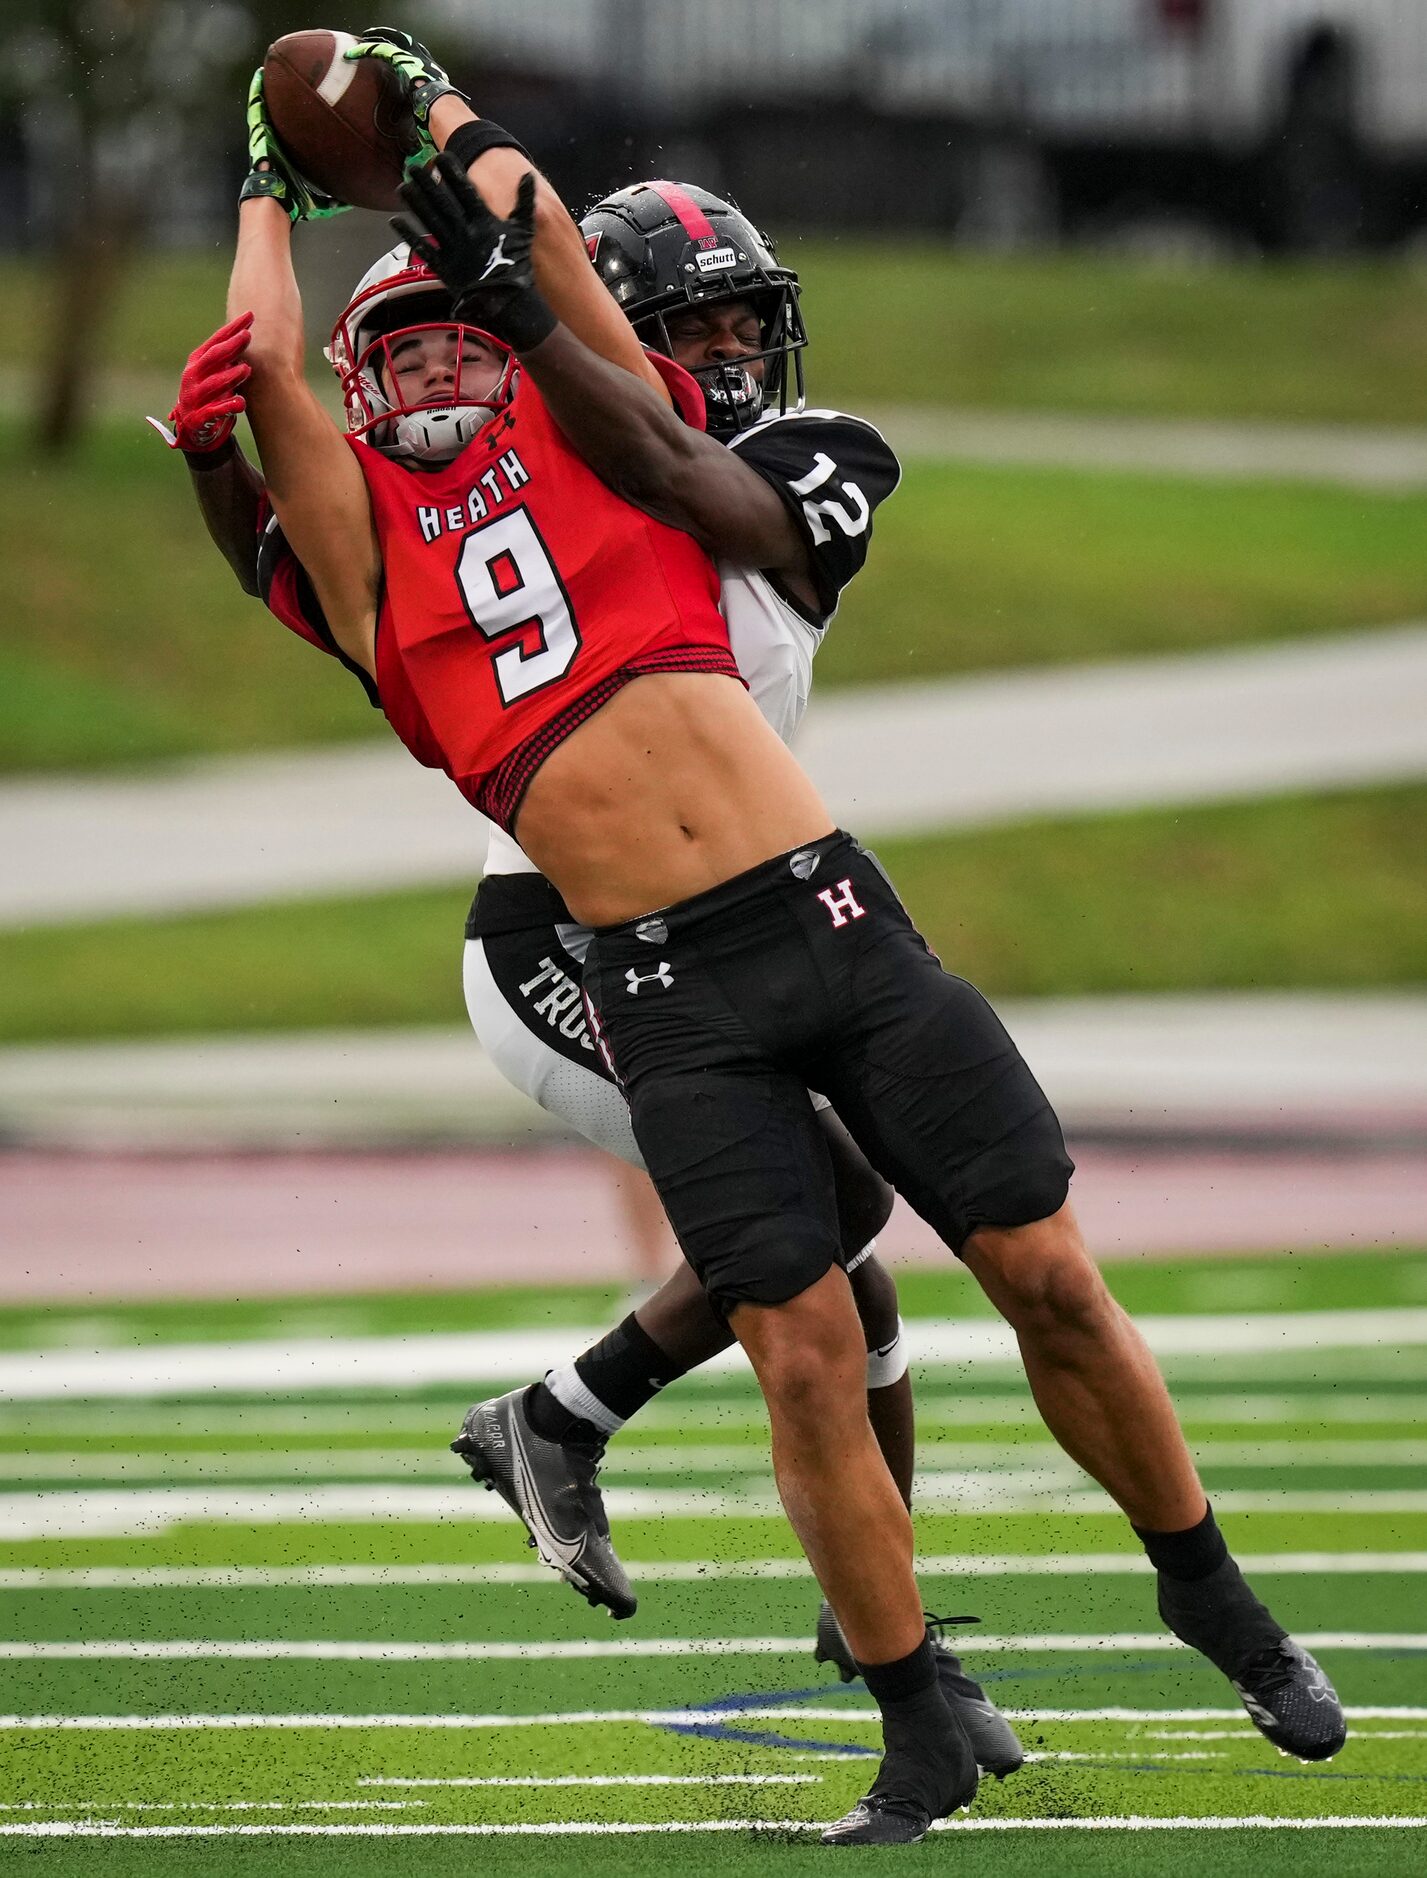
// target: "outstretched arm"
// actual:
[[313, 480], [627, 434], [230, 500], [228, 489], [562, 264], [636, 444]]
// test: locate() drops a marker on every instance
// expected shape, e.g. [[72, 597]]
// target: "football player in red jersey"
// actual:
[[521, 974], [926, 1076], [562, 657]]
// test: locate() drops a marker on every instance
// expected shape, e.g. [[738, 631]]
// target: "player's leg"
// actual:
[[748, 1206], [1102, 1396], [943, 1103], [518, 977], [891, 1413], [524, 1004]]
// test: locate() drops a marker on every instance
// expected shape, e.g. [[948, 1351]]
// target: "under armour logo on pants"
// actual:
[[842, 903], [660, 975]]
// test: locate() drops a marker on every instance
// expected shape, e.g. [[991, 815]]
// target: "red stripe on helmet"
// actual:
[[696, 224]]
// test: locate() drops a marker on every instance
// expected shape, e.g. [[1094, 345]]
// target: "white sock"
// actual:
[[565, 1385]]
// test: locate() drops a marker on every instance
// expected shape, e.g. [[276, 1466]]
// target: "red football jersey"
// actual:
[[519, 594]]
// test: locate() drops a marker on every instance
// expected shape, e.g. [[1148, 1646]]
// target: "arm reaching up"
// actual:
[[227, 487], [313, 480], [629, 436], [495, 164]]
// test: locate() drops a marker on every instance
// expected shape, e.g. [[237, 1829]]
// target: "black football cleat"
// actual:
[[993, 1740], [552, 1488], [1287, 1695], [928, 1771], [1292, 1702]]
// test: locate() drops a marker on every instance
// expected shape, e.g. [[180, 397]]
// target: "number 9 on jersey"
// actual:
[[509, 585]]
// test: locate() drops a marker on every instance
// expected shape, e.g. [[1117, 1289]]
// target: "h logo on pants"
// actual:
[[842, 903]]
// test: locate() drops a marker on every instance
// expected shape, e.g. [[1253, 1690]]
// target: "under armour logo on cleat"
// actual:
[[660, 975], [842, 903]]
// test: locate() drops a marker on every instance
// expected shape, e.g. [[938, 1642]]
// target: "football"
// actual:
[[343, 122]]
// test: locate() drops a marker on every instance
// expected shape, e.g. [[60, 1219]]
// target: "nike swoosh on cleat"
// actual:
[[561, 1552]]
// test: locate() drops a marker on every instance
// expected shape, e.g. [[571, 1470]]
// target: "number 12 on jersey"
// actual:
[[509, 585]]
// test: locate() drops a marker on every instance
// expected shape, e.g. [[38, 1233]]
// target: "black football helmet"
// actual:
[[661, 246]]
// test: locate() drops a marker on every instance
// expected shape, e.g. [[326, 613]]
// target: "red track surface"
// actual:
[[108, 1227]]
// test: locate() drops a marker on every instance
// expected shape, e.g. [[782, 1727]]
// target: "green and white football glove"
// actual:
[[271, 171], [422, 79]]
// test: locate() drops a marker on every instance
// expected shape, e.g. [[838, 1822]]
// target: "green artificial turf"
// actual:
[[1174, 1744], [1319, 892]]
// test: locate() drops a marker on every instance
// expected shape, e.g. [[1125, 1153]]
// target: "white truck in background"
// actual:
[[1306, 118], [1302, 123]]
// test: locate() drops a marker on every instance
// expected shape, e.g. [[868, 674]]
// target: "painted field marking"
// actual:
[[1116, 1754], [319, 1419], [324, 1650], [86, 1808], [588, 1829], [662, 1571], [1252, 1734], [120, 1513], [379, 1463], [607, 1780], [395, 1362], [583, 1718]]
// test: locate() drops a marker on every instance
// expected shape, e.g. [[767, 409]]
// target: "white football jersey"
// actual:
[[832, 471]]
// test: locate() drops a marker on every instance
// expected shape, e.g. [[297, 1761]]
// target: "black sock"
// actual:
[[1189, 1555], [626, 1369], [907, 1677], [552, 1421]]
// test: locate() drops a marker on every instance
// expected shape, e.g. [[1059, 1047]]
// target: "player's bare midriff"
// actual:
[[674, 786]]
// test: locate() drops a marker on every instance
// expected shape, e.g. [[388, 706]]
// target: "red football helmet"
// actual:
[[397, 297]]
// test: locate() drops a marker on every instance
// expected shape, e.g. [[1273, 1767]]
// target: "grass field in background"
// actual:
[[231, 1562], [132, 640], [975, 567], [917, 322], [1294, 891]]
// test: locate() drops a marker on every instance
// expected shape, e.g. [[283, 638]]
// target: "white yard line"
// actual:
[[416, 1361], [120, 1512], [1247, 1733], [664, 1571], [612, 1780], [746, 1458], [583, 1718], [88, 1808], [590, 1829], [285, 1649], [128, 1419]]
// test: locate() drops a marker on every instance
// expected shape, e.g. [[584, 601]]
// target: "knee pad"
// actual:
[[889, 1364]]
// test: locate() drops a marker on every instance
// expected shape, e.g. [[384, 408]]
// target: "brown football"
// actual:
[[343, 122]]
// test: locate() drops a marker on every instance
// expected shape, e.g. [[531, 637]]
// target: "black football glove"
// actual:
[[484, 261]]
